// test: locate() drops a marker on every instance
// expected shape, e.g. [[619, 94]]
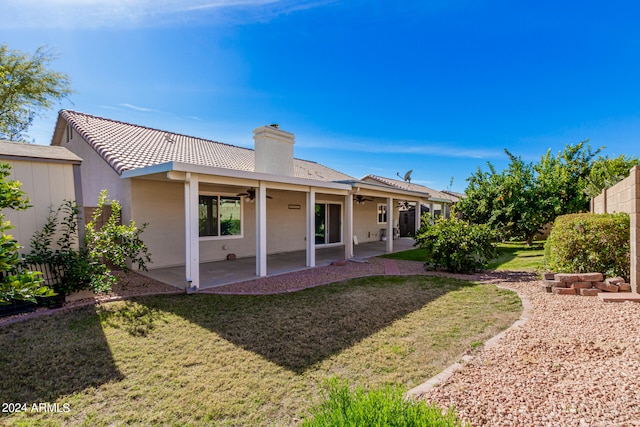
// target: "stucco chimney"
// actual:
[[274, 150]]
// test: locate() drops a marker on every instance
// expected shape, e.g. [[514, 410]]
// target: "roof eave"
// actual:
[[229, 173]]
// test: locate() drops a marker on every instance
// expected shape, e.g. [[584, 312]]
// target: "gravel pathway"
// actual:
[[576, 362]]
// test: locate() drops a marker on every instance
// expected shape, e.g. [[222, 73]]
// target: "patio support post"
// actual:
[[390, 224], [433, 215], [418, 214], [311, 228], [261, 230], [192, 240], [348, 231]]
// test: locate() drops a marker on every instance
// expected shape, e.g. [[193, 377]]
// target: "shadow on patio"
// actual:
[[219, 273]]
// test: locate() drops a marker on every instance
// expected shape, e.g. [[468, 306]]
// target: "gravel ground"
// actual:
[[576, 362]]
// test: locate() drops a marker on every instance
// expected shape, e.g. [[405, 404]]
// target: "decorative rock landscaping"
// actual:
[[585, 284]]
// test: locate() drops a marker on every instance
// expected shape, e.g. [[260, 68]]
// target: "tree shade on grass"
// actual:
[[242, 360]]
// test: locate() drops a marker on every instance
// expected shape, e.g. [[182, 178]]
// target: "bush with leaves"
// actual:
[[583, 243], [15, 282], [72, 268], [112, 243], [455, 244]]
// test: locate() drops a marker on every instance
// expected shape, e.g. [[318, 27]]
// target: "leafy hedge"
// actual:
[[456, 245], [581, 243]]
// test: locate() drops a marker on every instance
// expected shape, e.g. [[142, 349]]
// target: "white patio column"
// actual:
[[261, 230], [192, 240], [390, 224], [432, 214], [348, 229], [418, 214], [311, 228]]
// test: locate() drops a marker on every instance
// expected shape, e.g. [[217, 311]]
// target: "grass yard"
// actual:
[[512, 256], [241, 360], [517, 256]]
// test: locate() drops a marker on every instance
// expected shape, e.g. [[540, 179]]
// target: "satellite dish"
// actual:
[[407, 176]]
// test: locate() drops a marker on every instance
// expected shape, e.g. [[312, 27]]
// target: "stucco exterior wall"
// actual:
[[161, 205], [365, 220], [97, 175], [47, 185]]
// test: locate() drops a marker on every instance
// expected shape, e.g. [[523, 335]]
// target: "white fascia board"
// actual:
[[384, 190], [232, 173]]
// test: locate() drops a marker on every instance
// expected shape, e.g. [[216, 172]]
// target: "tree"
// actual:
[[15, 284], [607, 172], [27, 87], [523, 198]]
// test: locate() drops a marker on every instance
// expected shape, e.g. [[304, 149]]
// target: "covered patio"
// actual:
[[218, 273]]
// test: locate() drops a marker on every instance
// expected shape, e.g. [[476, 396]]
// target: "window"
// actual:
[[382, 213], [219, 216]]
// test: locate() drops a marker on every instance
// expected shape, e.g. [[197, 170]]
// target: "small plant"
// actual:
[[582, 243], [456, 245], [114, 243], [86, 267], [382, 407]]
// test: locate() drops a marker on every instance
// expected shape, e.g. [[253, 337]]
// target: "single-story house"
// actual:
[[204, 200], [49, 176]]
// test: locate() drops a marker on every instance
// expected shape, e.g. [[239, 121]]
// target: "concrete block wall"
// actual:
[[625, 197]]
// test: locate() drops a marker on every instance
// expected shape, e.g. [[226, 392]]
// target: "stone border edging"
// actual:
[[490, 343]]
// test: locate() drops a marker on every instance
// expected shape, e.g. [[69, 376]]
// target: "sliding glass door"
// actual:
[[328, 223]]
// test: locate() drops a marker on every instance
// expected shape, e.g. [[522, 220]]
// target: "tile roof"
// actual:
[[433, 194], [43, 152], [127, 146]]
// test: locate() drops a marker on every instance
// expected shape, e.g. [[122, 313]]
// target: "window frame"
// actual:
[[220, 196], [382, 212]]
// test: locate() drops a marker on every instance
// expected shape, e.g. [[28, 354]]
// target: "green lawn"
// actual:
[[241, 360], [517, 256], [512, 256]]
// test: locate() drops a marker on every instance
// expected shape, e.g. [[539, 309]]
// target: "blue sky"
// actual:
[[440, 87]]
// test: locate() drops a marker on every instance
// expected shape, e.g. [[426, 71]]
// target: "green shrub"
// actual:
[[113, 244], [382, 407], [456, 245], [582, 243]]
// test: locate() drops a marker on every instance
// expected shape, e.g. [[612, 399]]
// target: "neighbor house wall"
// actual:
[[625, 197], [48, 185]]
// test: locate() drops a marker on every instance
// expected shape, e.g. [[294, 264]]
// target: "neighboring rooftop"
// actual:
[[434, 195], [455, 196], [39, 152], [127, 146]]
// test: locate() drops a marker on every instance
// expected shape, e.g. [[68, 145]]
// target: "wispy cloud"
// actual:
[[66, 14], [419, 148], [137, 108]]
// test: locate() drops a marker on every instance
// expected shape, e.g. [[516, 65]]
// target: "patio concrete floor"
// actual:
[[220, 273]]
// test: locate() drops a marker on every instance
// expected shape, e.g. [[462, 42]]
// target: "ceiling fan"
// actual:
[[404, 204], [250, 194], [361, 199]]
